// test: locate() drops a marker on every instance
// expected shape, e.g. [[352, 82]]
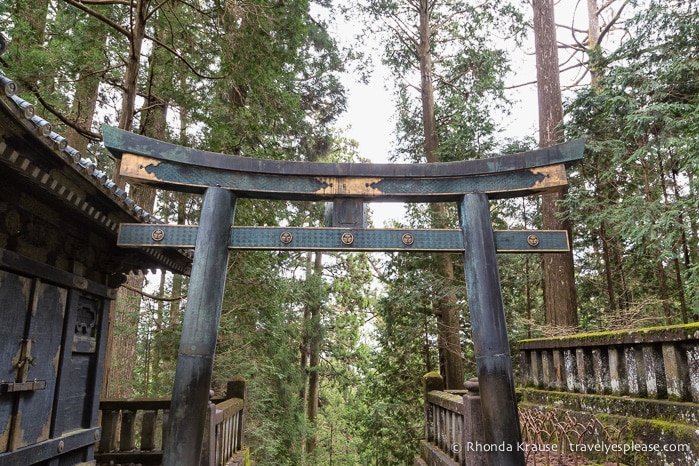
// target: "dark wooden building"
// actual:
[[59, 267]]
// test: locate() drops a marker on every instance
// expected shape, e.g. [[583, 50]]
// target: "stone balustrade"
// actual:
[[657, 363]]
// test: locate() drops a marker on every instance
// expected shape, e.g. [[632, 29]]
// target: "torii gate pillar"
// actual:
[[489, 333], [202, 316]]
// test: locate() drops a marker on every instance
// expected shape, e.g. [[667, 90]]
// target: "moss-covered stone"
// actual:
[[669, 411], [432, 381], [646, 432], [684, 332]]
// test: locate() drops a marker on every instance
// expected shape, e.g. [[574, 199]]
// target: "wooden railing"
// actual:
[[133, 431], [656, 363], [453, 425], [228, 426]]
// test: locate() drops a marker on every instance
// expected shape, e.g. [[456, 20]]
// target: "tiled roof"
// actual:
[[24, 115]]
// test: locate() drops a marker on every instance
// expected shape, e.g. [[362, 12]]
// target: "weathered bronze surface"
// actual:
[[121, 142], [286, 237], [489, 329], [190, 392], [158, 234], [533, 240], [181, 177], [330, 239], [179, 168]]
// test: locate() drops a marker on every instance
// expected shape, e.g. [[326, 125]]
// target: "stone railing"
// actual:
[[133, 431], [657, 363], [452, 425], [618, 390]]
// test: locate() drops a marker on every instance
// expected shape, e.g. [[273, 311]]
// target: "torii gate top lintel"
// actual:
[[178, 168]]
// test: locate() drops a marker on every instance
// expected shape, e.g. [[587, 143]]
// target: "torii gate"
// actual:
[[224, 178]]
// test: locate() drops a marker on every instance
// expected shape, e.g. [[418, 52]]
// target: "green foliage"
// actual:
[[260, 79], [405, 349], [634, 198], [468, 67]]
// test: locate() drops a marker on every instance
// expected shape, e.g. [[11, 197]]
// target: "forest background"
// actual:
[[334, 345]]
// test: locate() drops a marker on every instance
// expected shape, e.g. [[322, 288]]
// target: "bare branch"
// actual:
[[578, 47], [571, 28], [82, 131], [607, 5], [613, 21], [80, 5], [577, 82], [155, 9], [580, 44], [152, 296], [579, 65], [517, 86], [180, 57]]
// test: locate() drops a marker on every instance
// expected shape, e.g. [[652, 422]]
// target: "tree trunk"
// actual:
[[123, 345], [314, 356], [130, 89], [93, 37], [593, 35], [560, 298], [449, 327]]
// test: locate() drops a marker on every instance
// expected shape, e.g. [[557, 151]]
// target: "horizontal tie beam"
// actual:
[[341, 239]]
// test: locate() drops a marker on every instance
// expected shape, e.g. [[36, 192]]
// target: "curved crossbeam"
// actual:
[[178, 168]]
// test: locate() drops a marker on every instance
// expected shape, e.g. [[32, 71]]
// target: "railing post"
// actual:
[[618, 378], [489, 327], [654, 371], [190, 393], [676, 372], [148, 427], [525, 367], [571, 369], [635, 372], [693, 368], [548, 375], [473, 425], [238, 388], [208, 448], [536, 368], [600, 370], [585, 371], [108, 439], [430, 382], [559, 370], [127, 440]]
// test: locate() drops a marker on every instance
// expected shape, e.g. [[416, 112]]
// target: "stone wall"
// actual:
[[628, 396]]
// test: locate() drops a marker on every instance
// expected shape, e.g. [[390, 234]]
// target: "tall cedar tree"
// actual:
[[457, 73], [641, 129], [560, 298]]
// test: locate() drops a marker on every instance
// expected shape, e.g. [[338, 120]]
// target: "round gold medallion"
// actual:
[[533, 240], [286, 237], [158, 234]]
